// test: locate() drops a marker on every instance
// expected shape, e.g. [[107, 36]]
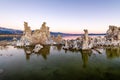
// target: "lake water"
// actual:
[[54, 63]]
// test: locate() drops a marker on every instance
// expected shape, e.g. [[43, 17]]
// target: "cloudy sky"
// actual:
[[70, 16]]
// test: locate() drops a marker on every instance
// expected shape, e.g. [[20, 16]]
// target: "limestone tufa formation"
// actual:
[[27, 30], [57, 39], [41, 35], [113, 33], [85, 40]]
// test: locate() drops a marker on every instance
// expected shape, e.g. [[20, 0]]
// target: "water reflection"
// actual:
[[44, 52], [56, 64], [85, 54], [59, 47], [85, 57], [112, 52], [28, 52], [3, 47]]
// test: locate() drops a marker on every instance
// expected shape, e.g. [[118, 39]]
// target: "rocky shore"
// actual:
[[4, 43], [10, 35]]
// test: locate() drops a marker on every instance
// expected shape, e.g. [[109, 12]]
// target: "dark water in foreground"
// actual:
[[54, 63]]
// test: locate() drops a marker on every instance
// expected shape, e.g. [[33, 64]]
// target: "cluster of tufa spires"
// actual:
[[42, 36], [39, 36]]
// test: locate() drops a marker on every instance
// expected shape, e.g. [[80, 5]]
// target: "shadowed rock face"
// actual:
[[113, 33]]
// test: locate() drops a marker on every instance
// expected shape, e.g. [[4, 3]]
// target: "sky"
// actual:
[[69, 16]]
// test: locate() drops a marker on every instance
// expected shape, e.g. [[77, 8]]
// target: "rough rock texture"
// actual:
[[58, 39], [41, 36], [85, 40], [27, 34], [113, 33], [27, 30]]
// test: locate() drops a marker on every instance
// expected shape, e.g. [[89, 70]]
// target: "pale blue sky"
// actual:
[[71, 16]]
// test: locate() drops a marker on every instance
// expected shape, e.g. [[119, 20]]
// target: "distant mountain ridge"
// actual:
[[63, 34], [8, 31]]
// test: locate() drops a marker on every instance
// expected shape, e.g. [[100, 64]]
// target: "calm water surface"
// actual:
[[54, 63]]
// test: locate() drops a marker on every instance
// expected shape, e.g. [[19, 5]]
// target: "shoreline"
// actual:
[[11, 35]]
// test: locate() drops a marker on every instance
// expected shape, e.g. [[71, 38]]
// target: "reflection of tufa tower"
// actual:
[[85, 57]]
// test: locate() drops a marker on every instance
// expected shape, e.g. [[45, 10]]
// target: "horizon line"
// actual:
[[61, 31]]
